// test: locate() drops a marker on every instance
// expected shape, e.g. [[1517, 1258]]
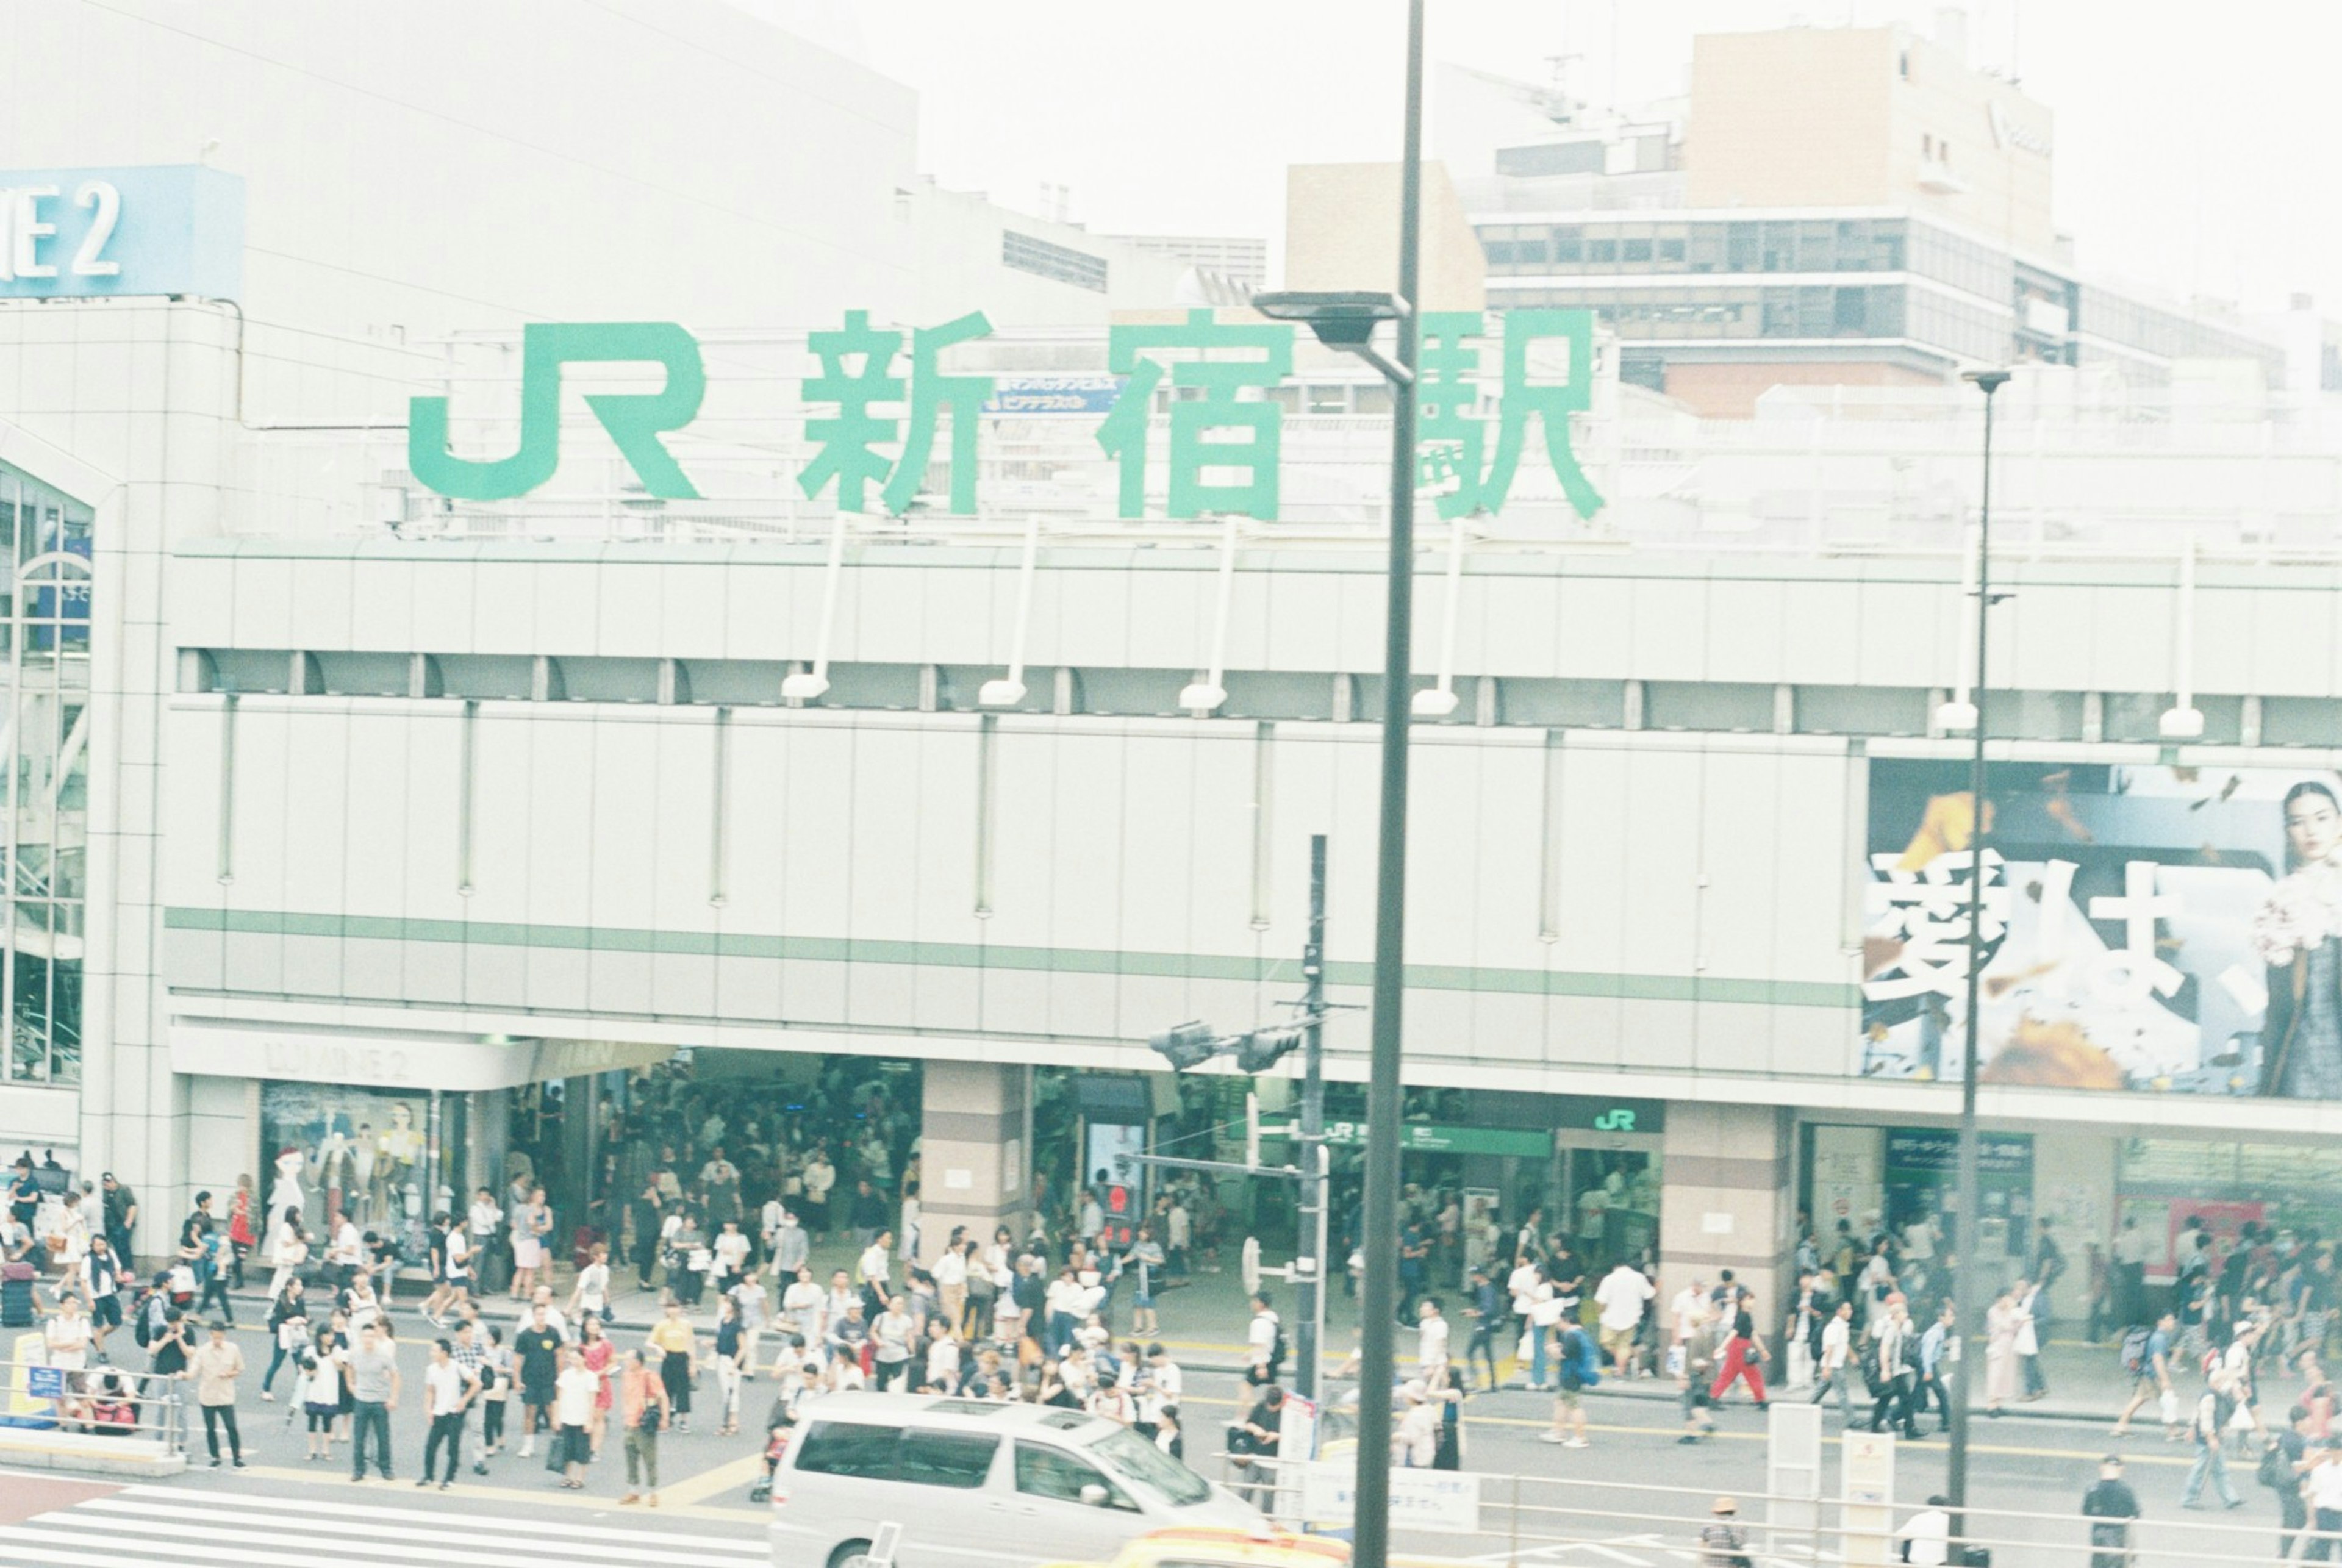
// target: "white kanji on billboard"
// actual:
[[2128, 973], [1928, 912]]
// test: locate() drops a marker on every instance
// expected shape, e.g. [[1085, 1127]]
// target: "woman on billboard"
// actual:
[[2298, 934]]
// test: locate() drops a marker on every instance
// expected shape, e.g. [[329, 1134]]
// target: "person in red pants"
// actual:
[[1743, 1354]]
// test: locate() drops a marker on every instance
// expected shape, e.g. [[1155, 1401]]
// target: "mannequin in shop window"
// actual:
[[360, 1202]]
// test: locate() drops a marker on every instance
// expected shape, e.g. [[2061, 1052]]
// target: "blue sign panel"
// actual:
[[78, 234], [1072, 393], [46, 1381]]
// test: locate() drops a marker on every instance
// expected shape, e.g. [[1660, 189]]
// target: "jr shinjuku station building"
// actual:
[[507, 591]]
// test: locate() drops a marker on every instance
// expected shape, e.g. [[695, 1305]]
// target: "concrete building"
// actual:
[[343, 800], [1827, 206]]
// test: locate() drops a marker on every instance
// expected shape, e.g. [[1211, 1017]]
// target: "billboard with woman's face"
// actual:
[[2168, 929]]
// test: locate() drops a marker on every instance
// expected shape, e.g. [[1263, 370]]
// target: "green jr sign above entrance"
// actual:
[[877, 400], [1423, 1138]]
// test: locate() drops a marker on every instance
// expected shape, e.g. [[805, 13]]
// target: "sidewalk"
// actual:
[[1204, 1318]]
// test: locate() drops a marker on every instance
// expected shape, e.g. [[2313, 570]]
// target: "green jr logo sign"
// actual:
[[1219, 378], [634, 420]]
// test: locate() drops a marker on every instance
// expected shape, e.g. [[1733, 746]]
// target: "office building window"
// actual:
[[49, 537]]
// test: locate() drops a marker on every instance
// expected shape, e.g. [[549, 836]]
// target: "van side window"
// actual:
[[849, 1448], [1054, 1473], [960, 1459]]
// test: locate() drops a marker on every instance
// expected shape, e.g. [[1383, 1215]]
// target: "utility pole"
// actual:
[[1966, 1283], [1193, 1043], [1310, 1271]]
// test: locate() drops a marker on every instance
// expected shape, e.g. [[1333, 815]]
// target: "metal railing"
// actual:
[[101, 1408], [1536, 1519]]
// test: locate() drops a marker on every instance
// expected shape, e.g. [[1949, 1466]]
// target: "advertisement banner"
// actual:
[[2168, 929]]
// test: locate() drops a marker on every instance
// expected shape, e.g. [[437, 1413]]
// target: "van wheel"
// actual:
[[852, 1554]]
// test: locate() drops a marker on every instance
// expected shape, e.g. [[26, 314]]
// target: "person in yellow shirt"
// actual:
[[678, 1344]]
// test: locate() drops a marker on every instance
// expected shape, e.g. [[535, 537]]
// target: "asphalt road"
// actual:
[[1635, 1497]]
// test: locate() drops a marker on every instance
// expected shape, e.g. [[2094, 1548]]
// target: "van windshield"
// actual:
[[1134, 1457]]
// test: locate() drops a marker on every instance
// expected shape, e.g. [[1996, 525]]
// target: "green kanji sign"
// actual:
[[880, 395]]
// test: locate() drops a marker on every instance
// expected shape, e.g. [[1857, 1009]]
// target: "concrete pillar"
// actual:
[[976, 1165], [1726, 1179]]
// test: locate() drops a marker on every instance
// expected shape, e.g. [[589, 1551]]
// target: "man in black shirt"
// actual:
[[536, 1350], [2110, 1506], [2292, 1458]]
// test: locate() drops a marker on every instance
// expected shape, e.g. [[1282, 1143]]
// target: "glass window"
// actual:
[[1635, 250], [1054, 1473], [849, 1448], [1601, 252], [958, 1460], [381, 1151], [49, 536], [1671, 250], [1141, 1461]]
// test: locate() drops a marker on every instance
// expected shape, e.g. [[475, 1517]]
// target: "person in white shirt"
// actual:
[[1927, 1534], [731, 1256], [66, 1335], [1689, 1313], [1430, 1340], [1836, 1368], [591, 1294], [871, 1272], [754, 1302], [1416, 1445], [574, 1394], [448, 1390], [1621, 1296], [346, 1252], [950, 1273], [805, 1304], [1260, 1342], [1919, 1242]]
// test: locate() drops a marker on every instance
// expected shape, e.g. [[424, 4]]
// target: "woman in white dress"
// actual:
[[2001, 1320]]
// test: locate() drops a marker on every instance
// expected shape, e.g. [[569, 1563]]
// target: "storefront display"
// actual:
[[388, 1159]]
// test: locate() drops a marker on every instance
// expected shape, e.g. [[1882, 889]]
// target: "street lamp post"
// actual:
[[1347, 321], [1965, 1279]]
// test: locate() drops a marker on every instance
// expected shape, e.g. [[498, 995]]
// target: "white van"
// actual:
[[971, 1484]]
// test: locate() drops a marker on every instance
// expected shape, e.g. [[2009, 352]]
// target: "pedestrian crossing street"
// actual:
[[192, 1529]]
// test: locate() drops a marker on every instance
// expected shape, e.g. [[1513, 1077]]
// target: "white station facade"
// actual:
[[335, 784]]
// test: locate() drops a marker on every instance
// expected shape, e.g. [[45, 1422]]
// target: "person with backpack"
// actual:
[[2147, 1360], [2282, 1464], [288, 1328], [1580, 1369], [2207, 1430]]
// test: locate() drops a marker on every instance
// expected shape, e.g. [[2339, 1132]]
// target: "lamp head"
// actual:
[[1341, 318], [1987, 381]]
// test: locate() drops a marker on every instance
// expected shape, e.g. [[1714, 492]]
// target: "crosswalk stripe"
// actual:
[[27, 1544], [202, 1503], [410, 1537]]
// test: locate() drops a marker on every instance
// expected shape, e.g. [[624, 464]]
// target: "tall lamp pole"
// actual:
[[1346, 320], [1965, 1279], [1379, 1303]]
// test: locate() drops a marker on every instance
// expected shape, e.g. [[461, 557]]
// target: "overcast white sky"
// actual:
[[2199, 145]]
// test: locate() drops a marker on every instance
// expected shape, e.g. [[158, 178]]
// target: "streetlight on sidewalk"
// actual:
[[1964, 1280]]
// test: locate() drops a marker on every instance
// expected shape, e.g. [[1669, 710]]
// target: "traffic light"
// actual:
[[1119, 1218], [1185, 1045], [1264, 1048]]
